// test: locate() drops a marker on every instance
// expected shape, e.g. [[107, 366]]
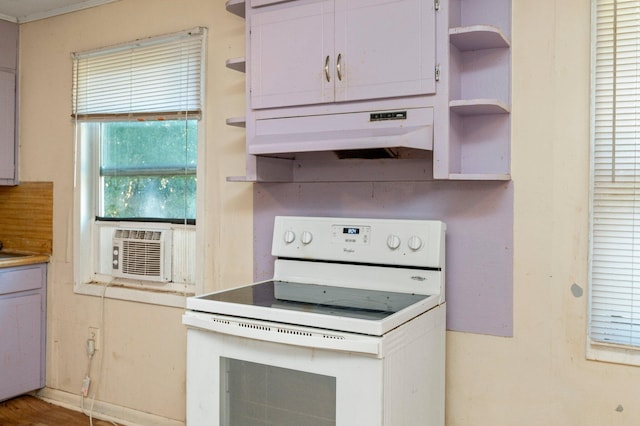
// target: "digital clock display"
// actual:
[[350, 234], [351, 231]]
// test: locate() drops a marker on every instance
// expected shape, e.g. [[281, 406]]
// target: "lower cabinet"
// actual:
[[22, 329]]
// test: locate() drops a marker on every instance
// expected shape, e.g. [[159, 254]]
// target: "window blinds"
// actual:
[[156, 77], [615, 210]]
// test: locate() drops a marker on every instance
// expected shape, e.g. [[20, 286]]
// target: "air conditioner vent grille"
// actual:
[[141, 258], [138, 234]]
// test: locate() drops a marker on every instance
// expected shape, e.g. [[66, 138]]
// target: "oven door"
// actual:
[[260, 373], [234, 380]]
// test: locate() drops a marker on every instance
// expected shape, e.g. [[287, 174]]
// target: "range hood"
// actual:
[[366, 134]]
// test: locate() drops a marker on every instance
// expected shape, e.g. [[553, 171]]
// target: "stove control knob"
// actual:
[[289, 237], [306, 237], [393, 242], [415, 243]]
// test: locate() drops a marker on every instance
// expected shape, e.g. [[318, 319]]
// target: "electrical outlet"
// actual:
[[94, 333]]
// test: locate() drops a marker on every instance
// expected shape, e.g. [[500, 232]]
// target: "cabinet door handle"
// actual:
[[339, 66], [326, 69]]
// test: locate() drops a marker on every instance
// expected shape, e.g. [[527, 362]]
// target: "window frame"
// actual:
[[598, 350], [88, 279], [163, 171]]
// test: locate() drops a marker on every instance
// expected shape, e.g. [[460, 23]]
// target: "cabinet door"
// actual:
[[20, 350], [290, 45], [8, 45], [7, 124], [386, 48]]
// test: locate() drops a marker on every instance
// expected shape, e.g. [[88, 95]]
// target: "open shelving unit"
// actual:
[[479, 92], [236, 7]]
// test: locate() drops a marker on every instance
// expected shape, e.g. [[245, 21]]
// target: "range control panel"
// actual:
[[377, 241]]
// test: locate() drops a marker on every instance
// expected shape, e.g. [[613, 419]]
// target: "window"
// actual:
[[138, 114], [141, 178], [614, 322]]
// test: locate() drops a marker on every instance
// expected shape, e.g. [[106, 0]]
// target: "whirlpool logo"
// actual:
[[418, 278]]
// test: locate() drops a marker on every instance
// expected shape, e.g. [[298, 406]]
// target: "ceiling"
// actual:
[[32, 10]]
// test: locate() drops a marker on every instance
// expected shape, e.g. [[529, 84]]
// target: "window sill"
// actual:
[[119, 292], [615, 354]]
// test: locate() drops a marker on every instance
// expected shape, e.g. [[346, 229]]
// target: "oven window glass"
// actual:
[[263, 395]]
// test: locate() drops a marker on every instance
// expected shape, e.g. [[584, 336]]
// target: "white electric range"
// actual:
[[353, 320]]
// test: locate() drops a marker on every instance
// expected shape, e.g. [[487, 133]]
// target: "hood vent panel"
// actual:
[[367, 135]]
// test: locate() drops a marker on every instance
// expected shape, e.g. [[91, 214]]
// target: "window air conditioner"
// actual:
[[142, 254]]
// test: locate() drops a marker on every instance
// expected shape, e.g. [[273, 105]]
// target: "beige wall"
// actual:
[[538, 377], [144, 353]]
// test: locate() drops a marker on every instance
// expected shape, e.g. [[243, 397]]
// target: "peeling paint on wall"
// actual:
[[576, 290]]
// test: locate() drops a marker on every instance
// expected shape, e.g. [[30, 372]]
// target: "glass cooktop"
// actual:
[[321, 299]]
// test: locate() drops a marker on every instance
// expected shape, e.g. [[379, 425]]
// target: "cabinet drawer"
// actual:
[[21, 279]]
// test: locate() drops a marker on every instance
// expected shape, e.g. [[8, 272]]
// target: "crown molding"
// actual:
[[57, 11]]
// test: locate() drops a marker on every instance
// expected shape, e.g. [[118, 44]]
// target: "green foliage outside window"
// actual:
[[148, 169]]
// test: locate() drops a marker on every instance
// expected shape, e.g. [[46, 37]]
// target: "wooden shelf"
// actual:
[[236, 121], [480, 176], [478, 106], [477, 37], [236, 7], [237, 64], [241, 179]]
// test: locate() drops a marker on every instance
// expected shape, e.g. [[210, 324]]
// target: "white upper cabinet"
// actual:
[[319, 73], [307, 52], [7, 126], [8, 71]]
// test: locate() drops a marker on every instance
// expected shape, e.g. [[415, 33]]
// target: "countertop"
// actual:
[[25, 259]]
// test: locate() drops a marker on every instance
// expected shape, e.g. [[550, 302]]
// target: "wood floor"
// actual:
[[30, 411]]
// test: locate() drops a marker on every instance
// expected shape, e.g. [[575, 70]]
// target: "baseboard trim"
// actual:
[[105, 411]]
